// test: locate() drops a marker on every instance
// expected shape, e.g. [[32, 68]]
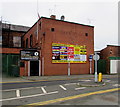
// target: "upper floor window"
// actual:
[[52, 29], [86, 34], [31, 41], [16, 41], [27, 43], [23, 44]]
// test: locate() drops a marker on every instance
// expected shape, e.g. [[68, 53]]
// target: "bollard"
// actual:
[[100, 77]]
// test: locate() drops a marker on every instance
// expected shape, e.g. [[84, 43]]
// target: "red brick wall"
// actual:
[[33, 32], [66, 33], [10, 50], [109, 51], [22, 71], [26, 68]]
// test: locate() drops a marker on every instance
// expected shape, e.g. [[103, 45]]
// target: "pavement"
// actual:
[[89, 78]]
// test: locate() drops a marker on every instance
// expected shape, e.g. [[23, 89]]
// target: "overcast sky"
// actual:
[[102, 14]]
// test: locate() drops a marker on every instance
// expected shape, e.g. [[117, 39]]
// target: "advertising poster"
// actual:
[[64, 53]]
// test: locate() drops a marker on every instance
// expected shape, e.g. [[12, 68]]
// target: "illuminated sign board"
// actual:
[[29, 55], [64, 53]]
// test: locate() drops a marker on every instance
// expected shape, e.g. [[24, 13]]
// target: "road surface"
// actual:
[[61, 92]]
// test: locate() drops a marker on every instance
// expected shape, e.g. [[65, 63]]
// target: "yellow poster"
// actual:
[[64, 53], [76, 50]]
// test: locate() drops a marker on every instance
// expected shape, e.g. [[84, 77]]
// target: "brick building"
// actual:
[[11, 44], [61, 45], [111, 54]]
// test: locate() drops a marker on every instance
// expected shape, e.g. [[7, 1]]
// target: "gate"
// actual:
[[102, 66], [10, 64]]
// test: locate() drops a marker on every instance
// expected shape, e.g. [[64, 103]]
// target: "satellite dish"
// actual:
[[62, 17]]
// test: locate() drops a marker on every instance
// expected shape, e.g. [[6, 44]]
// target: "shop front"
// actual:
[[30, 63]]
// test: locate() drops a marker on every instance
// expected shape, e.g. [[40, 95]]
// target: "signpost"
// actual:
[[96, 57], [69, 67], [90, 59], [70, 57]]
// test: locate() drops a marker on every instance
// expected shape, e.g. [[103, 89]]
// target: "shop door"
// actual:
[[34, 68]]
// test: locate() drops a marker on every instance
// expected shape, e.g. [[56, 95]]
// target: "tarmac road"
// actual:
[[46, 81], [7, 86], [62, 92]]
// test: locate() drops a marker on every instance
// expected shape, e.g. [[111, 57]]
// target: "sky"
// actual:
[[102, 14]]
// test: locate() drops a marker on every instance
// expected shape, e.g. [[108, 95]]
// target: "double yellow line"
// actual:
[[30, 80], [70, 97]]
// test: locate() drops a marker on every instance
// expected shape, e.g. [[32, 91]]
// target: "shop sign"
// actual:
[[29, 55]]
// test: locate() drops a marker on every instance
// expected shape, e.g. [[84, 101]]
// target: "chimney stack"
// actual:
[[53, 16]]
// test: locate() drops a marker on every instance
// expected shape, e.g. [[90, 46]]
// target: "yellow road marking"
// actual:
[[42, 80], [23, 81], [71, 97], [15, 81], [47, 80]]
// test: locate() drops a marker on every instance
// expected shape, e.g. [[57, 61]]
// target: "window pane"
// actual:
[[31, 41], [16, 41], [27, 43]]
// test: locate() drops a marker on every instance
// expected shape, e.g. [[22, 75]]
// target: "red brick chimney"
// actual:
[[53, 16]]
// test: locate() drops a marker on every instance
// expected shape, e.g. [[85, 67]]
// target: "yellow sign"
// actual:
[[64, 53]]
